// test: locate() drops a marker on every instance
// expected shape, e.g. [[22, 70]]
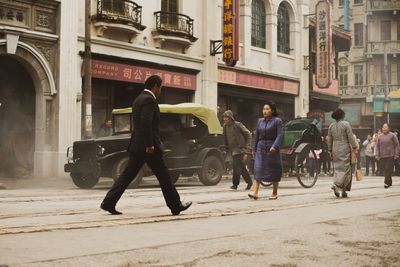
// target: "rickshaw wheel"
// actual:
[[266, 184], [306, 168]]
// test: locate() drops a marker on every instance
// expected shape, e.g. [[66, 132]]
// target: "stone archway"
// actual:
[[31, 62]]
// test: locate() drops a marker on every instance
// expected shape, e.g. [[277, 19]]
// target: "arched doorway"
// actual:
[[17, 123]]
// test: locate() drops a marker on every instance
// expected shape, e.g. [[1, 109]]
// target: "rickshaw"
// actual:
[[192, 139], [300, 150]]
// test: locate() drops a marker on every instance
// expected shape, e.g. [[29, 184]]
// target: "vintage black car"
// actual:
[[191, 136]]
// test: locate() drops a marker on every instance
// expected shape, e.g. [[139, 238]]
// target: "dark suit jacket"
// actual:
[[146, 120]]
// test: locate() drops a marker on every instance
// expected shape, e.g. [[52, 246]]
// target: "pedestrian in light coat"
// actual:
[[341, 143], [369, 146]]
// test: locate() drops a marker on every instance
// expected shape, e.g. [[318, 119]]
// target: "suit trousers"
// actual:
[[156, 163], [386, 165], [239, 168], [369, 161]]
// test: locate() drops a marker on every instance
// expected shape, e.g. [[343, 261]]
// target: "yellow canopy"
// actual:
[[204, 113]]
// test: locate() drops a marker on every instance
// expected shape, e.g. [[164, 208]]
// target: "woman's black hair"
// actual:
[[338, 114], [151, 81], [272, 106]]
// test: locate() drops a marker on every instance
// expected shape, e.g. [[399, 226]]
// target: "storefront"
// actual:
[[116, 85], [245, 94]]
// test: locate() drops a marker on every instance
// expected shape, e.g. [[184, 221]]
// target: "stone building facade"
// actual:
[[375, 31], [130, 40]]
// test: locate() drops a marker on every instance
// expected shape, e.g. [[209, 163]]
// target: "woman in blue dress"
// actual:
[[267, 141]]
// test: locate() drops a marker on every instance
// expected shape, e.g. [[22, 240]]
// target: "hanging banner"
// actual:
[[323, 37], [230, 42]]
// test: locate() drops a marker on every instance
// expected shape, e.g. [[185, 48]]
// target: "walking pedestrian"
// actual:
[[397, 162], [324, 157], [355, 159], [341, 142], [369, 146], [387, 151], [377, 133], [237, 139], [268, 139], [145, 147]]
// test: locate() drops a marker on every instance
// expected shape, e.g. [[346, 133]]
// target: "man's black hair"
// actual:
[[151, 81]]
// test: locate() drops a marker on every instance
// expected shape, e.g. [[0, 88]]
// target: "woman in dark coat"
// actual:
[[267, 141]]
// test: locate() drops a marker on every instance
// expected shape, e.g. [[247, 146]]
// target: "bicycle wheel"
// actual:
[[306, 163]]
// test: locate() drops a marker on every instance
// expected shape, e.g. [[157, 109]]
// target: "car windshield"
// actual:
[[122, 123]]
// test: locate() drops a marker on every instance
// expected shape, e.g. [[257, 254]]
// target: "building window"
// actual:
[[258, 23], [343, 76], [389, 71], [283, 30], [385, 30], [398, 30], [358, 75], [358, 2], [170, 6], [114, 6], [358, 34], [341, 2]]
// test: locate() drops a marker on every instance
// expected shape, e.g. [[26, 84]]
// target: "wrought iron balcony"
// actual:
[[382, 5], [378, 47], [120, 15], [174, 24]]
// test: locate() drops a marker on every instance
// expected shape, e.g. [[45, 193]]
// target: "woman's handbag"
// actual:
[[359, 175]]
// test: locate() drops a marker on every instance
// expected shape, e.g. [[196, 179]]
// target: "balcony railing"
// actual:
[[382, 5], [120, 11], [378, 47], [175, 24]]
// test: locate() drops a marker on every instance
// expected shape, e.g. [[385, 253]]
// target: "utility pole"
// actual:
[[87, 78], [386, 100]]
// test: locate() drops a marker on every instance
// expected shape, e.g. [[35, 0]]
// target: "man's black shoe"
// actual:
[[182, 207], [234, 187], [111, 210]]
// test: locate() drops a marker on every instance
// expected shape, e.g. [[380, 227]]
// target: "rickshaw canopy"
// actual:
[[203, 113]]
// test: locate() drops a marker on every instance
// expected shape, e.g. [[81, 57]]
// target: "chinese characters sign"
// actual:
[[136, 74], [323, 37], [9, 15], [230, 42], [258, 81]]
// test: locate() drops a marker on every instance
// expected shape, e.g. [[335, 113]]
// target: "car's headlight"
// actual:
[[70, 153], [100, 150]]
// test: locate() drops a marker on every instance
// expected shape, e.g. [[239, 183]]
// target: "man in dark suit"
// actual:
[[145, 147]]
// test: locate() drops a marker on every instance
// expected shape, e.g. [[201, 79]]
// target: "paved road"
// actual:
[[62, 226]]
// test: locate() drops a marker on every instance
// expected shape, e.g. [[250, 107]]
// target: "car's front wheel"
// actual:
[[84, 180], [211, 172], [120, 166]]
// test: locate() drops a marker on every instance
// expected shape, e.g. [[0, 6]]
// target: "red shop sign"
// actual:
[[230, 42], [136, 74]]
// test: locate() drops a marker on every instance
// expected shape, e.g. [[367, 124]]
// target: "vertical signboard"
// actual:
[[323, 37], [230, 42]]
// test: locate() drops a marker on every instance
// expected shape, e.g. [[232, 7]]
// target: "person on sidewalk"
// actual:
[[387, 151], [341, 143], [377, 133], [369, 146], [145, 147], [237, 139], [267, 141]]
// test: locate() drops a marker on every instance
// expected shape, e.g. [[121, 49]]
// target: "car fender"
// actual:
[[114, 156], [209, 151]]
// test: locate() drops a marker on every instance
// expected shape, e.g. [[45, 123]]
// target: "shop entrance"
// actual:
[[17, 119]]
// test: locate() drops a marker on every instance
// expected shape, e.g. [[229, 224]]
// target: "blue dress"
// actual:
[[267, 165]]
